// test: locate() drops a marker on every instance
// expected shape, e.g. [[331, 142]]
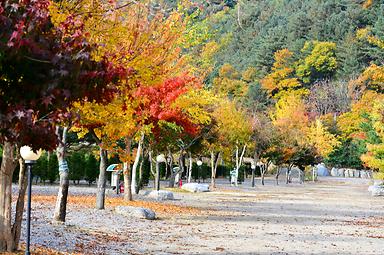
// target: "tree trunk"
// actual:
[[157, 177], [181, 170], [61, 201], [214, 163], [16, 228], [239, 161], [101, 182], [171, 182], [288, 174], [189, 176], [151, 168], [135, 164], [277, 175], [7, 167], [127, 172], [262, 178], [127, 181], [140, 184]]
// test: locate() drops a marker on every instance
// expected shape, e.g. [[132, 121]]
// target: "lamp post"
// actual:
[[199, 163], [253, 167], [30, 158], [160, 158]]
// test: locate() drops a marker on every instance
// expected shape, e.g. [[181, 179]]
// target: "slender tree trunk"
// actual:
[[127, 172], [127, 181], [140, 185], [8, 165], [277, 175], [288, 173], [151, 167], [101, 182], [214, 163], [16, 228], [239, 161], [181, 170], [189, 176], [135, 164], [171, 181], [157, 177], [262, 177], [62, 196]]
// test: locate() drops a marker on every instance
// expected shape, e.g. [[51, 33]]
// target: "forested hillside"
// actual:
[[329, 54]]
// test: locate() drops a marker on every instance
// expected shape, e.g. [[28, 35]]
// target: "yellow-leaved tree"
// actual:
[[374, 158]]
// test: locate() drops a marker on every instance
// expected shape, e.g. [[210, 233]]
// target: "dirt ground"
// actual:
[[331, 216]]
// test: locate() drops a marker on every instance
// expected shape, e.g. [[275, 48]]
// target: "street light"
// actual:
[[30, 158], [253, 167], [159, 158], [199, 163]]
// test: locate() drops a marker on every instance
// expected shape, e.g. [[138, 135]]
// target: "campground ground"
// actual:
[[331, 216]]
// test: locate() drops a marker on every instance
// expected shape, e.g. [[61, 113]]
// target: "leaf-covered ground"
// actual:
[[333, 216]]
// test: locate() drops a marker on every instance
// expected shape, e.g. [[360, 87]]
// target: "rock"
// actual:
[[340, 172], [377, 190], [161, 195], [334, 172], [348, 173], [136, 212], [322, 170], [144, 192], [195, 187], [364, 174]]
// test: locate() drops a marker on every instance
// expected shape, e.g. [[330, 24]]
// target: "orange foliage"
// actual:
[[90, 201]]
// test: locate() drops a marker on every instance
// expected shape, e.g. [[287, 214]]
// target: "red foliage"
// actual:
[[44, 69], [157, 104]]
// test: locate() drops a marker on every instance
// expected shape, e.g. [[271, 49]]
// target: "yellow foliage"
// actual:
[[321, 58], [365, 34], [349, 122], [367, 4], [321, 139], [290, 118], [229, 83], [130, 36], [197, 103], [282, 76], [374, 158], [233, 124], [110, 122]]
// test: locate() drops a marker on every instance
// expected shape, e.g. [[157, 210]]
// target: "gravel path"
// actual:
[[332, 216]]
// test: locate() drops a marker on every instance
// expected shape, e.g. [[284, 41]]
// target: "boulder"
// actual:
[[195, 187], [322, 170], [161, 195], [136, 212], [334, 172], [377, 190], [364, 174], [340, 172]]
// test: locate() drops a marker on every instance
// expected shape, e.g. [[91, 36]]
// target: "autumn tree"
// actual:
[[44, 69], [374, 158]]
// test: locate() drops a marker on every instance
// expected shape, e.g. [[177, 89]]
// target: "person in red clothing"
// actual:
[[180, 183]]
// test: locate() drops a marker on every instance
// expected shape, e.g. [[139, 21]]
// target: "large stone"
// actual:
[[161, 195], [334, 172], [195, 187], [364, 174], [322, 170], [377, 190], [340, 172], [136, 212]]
